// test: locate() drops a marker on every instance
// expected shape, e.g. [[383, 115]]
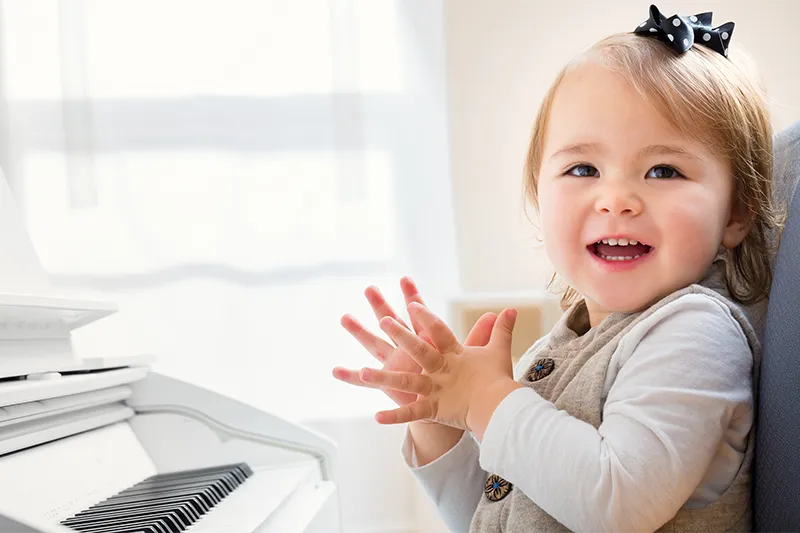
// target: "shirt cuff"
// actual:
[[453, 458], [505, 416]]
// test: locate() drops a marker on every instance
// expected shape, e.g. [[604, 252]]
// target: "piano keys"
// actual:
[[162, 503]]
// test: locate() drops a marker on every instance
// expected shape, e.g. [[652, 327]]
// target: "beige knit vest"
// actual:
[[575, 385]]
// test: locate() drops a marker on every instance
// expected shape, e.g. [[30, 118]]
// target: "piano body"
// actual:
[[107, 444]]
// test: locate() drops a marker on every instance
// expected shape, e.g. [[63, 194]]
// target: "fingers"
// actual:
[[481, 332], [402, 381], [379, 348], [422, 352], [418, 410], [503, 329], [442, 336], [410, 290], [411, 294], [352, 377], [382, 309], [379, 305]]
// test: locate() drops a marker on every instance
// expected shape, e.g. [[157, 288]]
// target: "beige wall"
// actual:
[[501, 57]]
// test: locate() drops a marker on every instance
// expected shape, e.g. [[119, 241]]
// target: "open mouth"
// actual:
[[621, 249]]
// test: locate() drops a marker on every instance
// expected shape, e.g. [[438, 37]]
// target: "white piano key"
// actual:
[[257, 499]]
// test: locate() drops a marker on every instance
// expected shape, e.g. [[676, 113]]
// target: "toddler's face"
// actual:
[[614, 171]]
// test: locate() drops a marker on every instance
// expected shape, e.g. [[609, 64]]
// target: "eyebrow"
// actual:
[[653, 149]]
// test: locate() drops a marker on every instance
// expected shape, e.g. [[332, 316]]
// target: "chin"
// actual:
[[623, 303]]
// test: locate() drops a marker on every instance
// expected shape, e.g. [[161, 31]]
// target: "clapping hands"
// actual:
[[428, 372]]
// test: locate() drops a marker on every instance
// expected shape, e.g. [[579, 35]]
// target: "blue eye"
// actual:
[[669, 174], [582, 173]]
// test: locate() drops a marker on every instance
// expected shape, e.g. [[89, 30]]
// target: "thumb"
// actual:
[[503, 329], [481, 332]]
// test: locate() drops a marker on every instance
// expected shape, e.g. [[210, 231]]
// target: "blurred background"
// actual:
[[234, 175]]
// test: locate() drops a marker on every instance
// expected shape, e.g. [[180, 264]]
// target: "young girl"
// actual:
[[650, 166]]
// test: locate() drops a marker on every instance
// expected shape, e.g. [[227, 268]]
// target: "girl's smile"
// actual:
[[620, 253]]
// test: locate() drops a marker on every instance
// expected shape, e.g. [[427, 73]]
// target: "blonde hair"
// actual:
[[712, 99]]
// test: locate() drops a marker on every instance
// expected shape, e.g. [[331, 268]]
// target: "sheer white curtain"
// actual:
[[234, 174]]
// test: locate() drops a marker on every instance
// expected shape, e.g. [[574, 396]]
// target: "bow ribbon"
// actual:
[[680, 33]]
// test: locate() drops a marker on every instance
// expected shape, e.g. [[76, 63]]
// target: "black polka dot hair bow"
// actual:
[[680, 33]]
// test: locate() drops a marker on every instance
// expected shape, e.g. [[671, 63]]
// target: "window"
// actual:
[[234, 174]]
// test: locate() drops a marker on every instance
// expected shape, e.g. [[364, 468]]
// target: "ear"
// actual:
[[738, 226]]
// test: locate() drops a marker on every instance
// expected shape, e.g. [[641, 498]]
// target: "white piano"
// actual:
[[106, 444]]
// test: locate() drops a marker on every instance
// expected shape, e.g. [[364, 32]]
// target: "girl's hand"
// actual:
[[455, 378], [393, 357]]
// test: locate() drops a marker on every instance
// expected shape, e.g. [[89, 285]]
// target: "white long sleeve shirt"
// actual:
[[678, 411]]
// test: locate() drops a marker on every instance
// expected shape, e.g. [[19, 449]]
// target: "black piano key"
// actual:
[[226, 479], [136, 529], [223, 480], [163, 503], [169, 483], [191, 501], [166, 519], [199, 471], [217, 487], [184, 517], [206, 494], [178, 506], [241, 471], [185, 504], [150, 526], [169, 520]]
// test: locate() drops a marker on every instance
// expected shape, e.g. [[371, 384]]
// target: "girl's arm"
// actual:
[[453, 480], [683, 395], [431, 440], [445, 461]]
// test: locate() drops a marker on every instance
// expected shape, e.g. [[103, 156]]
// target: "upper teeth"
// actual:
[[619, 242]]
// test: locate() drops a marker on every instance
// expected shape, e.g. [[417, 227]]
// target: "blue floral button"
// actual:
[[540, 369], [496, 488]]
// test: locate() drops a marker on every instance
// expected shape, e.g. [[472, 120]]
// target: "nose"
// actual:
[[619, 199]]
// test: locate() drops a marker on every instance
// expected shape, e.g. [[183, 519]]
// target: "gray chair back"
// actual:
[[777, 468]]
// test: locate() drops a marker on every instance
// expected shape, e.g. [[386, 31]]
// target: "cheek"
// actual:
[[694, 227], [558, 220]]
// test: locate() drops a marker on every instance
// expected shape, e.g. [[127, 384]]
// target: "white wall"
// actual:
[[501, 57]]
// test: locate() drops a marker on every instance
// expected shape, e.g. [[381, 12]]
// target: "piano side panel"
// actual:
[[11, 523], [56, 480], [178, 441], [314, 509], [230, 418], [328, 518]]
